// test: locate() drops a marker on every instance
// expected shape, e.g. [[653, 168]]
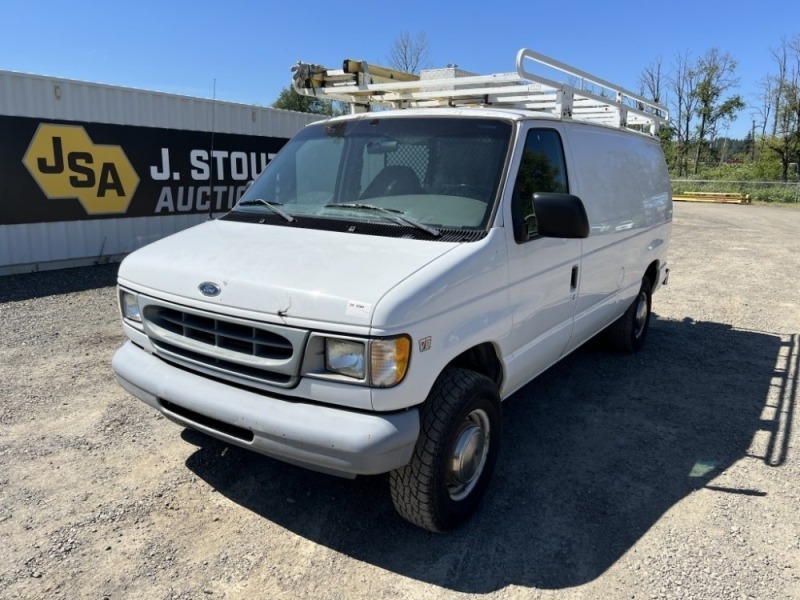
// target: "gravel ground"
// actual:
[[670, 474]]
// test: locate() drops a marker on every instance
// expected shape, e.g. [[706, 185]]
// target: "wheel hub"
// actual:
[[641, 315], [469, 455]]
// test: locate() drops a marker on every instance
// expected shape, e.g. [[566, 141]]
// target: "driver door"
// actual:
[[544, 273]]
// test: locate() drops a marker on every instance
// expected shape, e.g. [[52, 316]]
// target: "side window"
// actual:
[[542, 169]]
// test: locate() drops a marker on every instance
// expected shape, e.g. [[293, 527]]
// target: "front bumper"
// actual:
[[322, 438]]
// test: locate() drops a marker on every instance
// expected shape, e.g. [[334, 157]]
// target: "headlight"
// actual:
[[346, 357], [129, 306], [389, 361]]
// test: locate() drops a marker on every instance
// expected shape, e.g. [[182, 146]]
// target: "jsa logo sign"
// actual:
[[67, 164]]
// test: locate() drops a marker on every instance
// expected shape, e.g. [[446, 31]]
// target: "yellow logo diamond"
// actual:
[[67, 164]]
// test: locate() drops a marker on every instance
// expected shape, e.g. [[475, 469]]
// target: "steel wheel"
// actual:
[[469, 454], [642, 312]]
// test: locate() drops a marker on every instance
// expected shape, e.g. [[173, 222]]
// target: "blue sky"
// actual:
[[249, 47]]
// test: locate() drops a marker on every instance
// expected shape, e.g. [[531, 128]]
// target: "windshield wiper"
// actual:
[[395, 214], [272, 205]]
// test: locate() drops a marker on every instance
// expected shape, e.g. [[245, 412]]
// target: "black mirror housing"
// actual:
[[560, 215]]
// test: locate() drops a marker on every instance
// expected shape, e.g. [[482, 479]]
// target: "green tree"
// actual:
[[289, 99], [667, 135], [683, 85], [700, 103], [715, 77], [785, 139]]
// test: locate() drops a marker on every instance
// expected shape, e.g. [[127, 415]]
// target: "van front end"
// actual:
[[290, 427]]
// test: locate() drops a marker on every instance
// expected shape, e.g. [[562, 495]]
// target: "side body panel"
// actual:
[[623, 182]]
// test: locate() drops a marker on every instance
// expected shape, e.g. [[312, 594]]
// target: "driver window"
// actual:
[[542, 169]]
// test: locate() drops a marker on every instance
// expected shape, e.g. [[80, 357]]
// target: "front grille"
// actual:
[[236, 349], [222, 365], [246, 339]]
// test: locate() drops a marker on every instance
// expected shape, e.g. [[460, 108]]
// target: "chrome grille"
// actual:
[[250, 353], [222, 334]]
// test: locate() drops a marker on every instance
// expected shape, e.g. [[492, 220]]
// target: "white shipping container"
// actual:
[[90, 172]]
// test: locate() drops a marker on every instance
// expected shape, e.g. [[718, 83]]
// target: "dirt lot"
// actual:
[[670, 474]]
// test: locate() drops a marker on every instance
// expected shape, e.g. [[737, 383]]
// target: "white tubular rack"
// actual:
[[363, 85]]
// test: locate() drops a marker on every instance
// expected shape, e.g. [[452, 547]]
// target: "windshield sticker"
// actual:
[[358, 309]]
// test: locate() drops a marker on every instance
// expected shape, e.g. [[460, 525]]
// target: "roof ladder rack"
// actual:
[[363, 86]]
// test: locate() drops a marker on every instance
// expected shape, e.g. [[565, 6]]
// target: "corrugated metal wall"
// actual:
[[52, 98], [37, 246], [34, 246]]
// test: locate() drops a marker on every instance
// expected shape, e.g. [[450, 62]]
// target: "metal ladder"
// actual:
[[363, 86]]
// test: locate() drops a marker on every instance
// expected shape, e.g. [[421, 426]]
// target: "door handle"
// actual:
[[573, 283]]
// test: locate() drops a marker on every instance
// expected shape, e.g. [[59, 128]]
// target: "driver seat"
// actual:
[[394, 180]]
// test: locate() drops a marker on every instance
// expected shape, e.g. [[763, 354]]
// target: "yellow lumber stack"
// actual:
[[719, 197]]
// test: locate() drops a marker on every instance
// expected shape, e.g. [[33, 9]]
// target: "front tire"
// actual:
[[455, 455]]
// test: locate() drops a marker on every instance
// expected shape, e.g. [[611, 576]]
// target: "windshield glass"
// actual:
[[429, 173]]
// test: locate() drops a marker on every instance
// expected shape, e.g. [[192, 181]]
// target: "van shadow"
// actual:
[[595, 451]]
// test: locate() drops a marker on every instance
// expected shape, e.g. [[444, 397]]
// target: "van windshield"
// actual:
[[427, 173]]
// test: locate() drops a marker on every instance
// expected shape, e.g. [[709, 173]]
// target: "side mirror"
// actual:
[[560, 215]]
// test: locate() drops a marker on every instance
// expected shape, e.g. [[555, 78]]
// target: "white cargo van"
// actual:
[[393, 275]]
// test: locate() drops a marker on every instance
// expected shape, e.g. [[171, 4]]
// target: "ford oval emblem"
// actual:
[[209, 289]]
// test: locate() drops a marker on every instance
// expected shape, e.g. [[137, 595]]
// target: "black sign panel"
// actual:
[[66, 171]]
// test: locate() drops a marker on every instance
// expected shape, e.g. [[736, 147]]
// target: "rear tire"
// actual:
[[455, 455], [627, 334]]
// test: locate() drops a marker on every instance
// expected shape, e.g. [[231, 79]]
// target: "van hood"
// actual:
[[310, 274]]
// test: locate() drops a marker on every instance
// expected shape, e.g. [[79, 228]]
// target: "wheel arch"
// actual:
[[483, 359], [652, 274]]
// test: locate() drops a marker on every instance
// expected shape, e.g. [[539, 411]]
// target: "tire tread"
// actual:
[[413, 486]]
